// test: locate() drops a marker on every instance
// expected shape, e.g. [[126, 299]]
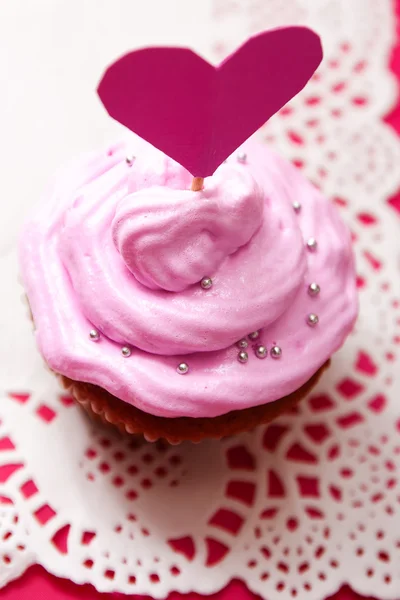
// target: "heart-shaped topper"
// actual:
[[199, 114]]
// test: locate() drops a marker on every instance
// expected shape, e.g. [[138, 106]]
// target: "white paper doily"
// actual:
[[294, 509]]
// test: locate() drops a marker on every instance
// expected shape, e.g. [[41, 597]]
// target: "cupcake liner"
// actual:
[[100, 404]]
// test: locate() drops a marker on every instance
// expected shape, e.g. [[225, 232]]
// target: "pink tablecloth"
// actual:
[[38, 585]]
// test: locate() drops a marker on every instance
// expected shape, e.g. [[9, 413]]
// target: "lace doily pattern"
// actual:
[[296, 508]]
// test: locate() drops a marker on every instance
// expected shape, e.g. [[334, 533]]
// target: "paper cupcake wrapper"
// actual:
[[100, 404]]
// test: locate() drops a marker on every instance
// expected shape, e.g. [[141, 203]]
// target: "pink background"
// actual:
[[38, 585]]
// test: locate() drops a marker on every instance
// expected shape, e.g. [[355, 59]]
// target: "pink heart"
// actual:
[[199, 114]]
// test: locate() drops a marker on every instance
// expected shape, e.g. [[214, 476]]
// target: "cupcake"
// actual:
[[184, 314]]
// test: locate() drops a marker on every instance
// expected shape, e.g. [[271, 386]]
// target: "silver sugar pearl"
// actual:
[[312, 319], [296, 206], [206, 283], [125, 351], [182, 368], [242, 157], [254, 335], [242, 343], [261, 351], [94, 335], [243, 357], [276, 351], [314, 289], [130, 160], [312, 244]]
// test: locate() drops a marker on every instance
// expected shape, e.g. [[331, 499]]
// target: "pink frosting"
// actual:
[[169, 239], [122, 249]]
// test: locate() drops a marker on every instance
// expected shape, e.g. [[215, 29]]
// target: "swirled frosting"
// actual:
[[170, 238], [121, 248]]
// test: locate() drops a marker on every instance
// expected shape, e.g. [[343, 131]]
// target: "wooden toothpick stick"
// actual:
[[197, 184]]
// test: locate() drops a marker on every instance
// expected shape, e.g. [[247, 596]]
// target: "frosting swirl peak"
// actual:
[[170, 239]]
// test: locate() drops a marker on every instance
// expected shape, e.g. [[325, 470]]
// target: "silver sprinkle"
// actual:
[[242, 343], [206, 283], [254, 335], [126, 351], [296, 206], [314, 289], [94, 335], [276, 351], [182, 368], [242, 157], [312, 244], [312, 319], [261, 351], [243, 357], [130, 160]]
